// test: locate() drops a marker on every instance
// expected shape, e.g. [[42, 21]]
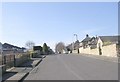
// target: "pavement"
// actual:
[[18, 73], [74, 67], [17, 77]]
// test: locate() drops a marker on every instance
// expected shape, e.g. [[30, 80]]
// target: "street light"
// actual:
[[76, 40], [76, 36]]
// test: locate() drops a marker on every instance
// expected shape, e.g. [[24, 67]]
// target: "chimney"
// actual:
[[87, 35]]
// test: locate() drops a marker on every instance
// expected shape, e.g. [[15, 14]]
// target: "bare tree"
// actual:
[[60, 47], [30, 44]]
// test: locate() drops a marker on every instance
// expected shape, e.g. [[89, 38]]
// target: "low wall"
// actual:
[[89, 51], [85, 51], [94, 51], [75, 51], [109, 50]]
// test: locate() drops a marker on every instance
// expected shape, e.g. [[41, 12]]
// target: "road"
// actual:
[[74, 67]]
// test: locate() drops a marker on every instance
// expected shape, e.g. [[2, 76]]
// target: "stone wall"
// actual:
[[75, 51], [85, 51], [109, 50], [94, 51]]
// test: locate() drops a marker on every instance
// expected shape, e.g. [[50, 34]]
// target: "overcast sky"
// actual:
[[54, 22]]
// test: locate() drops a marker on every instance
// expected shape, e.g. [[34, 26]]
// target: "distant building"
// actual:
[[37, 49], [73, 47], [76, 47], [69, 48], [8, 48], [85, 42]]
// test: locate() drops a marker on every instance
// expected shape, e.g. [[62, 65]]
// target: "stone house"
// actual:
[[85, 42], [101, 45], [107, 45]]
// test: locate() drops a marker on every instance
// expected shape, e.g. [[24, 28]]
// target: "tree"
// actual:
[[60, 47], [45, 48], [30, 44], [50, 51]]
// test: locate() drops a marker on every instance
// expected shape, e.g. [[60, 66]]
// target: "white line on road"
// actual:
[[68, 68]]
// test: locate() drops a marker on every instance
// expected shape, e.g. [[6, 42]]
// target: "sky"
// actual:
[[52, 22]]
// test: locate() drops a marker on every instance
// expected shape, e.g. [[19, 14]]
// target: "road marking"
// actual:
[[68, 68]]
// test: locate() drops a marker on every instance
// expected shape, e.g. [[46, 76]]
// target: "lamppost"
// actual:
[[76, 40], [76, 36]]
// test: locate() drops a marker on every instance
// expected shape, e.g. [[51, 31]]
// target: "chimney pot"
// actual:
[[87, 35]]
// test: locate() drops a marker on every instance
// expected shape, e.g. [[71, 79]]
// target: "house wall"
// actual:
[[99, 42]]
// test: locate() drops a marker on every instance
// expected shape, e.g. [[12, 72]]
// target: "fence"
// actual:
[[10, 60]]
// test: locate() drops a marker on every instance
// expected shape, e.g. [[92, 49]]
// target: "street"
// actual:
[[74, 67]]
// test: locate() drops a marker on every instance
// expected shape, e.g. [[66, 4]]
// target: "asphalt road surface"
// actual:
[[74, 67]]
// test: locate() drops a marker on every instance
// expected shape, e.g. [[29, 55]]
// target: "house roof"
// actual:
[[23, 48], [93, 41], [86, 39], [112, 39], [6, 45]]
